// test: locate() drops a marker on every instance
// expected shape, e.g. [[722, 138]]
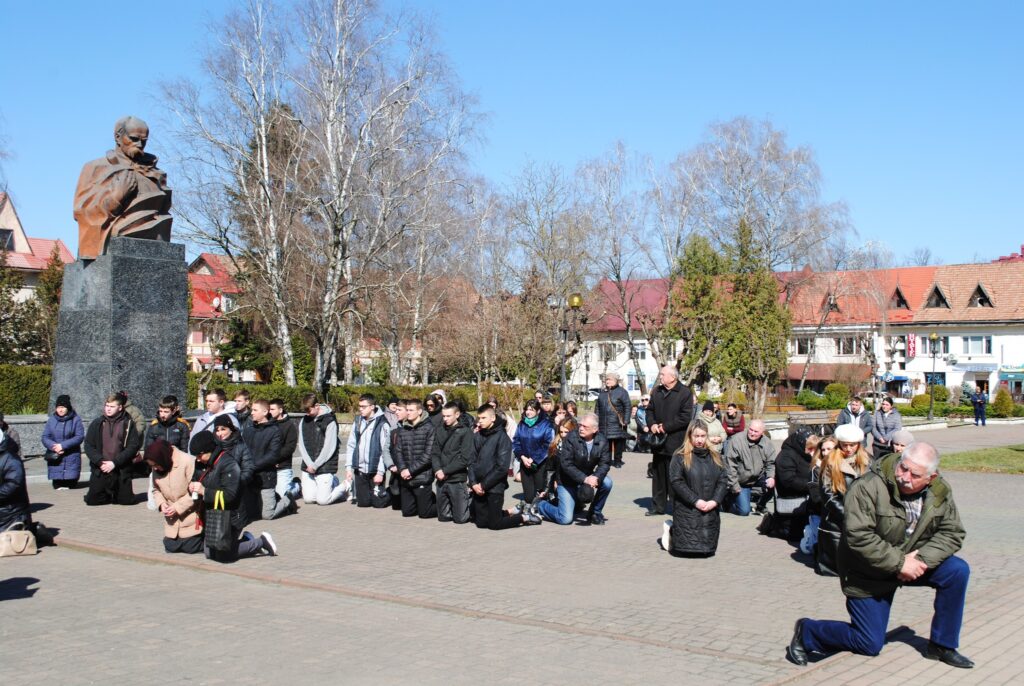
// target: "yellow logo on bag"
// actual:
[[218, 501]]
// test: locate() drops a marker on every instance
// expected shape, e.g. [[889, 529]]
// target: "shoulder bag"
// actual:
[[17, 540]]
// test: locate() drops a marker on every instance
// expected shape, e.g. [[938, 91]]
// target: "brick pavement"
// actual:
[[543, 604]]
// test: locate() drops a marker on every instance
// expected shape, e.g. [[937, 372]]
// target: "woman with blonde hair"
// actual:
[[699, 483], [840, 466]]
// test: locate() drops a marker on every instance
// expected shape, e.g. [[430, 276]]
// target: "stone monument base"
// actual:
[[123, 325]]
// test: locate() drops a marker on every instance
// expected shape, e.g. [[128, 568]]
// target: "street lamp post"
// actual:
[[568, 329], [933, 339]]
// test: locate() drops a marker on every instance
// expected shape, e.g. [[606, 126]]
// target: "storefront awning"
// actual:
[[1011, 376]]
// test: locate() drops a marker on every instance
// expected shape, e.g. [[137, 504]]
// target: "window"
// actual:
[[941, 345], [633, 381], [198, 337], [979, 298], [898, 302], [937, 299], [802, 345], [609, 351], [977, 345], [6, 239], [846, 345], [640, 347]]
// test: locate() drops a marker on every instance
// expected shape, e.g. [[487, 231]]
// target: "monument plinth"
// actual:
[[123, 326]]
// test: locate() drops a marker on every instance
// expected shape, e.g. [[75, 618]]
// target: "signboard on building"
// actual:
[[911, 345]]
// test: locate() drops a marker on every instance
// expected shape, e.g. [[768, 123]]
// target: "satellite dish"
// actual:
[[216, 302]]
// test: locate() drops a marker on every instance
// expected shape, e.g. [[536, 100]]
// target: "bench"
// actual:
[[821, 422]]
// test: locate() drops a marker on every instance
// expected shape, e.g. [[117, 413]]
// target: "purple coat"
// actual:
[[69, 432]]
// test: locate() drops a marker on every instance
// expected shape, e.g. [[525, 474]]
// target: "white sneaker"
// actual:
[[666, 530], [268, 544]]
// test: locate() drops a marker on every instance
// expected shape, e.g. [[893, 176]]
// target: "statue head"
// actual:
[[131, 134]]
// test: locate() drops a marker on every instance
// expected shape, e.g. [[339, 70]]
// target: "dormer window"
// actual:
[[7, 239], [937, 299], [898, 302], [979, 298]]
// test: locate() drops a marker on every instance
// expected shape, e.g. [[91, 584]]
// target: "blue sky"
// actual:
[[914, 110]]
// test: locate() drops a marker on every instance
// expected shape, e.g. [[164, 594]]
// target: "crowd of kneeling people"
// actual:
[[432, 459]]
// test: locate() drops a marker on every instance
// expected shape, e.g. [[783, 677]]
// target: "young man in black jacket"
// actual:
[[488, 474], [413, 443], [264, 442], [452, 453], [111, 444], [171, 427], [287, 484]]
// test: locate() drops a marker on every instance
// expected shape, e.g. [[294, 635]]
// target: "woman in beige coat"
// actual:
[[172, 473]]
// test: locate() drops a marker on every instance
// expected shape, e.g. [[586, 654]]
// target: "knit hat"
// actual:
[[202, 442], [224, 420], [708, 405], [903, 437], [159, 453], [849, 433], [63, 401]]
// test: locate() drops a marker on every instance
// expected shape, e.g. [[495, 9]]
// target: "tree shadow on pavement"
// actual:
[[17, 587]]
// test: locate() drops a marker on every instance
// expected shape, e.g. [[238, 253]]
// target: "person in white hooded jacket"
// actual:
[[368, 454]]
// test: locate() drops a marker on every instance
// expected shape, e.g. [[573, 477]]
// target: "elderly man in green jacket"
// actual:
[[901, 528]]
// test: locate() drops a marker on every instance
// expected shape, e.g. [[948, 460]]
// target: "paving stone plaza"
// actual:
[[359, 595]]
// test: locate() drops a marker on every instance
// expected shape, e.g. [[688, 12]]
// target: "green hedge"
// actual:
[[24, 390]]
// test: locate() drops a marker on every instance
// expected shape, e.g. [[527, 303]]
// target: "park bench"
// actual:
[[820, 422]]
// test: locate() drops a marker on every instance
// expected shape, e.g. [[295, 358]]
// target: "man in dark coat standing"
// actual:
[[613, 411], [668, 415], [110, 444]]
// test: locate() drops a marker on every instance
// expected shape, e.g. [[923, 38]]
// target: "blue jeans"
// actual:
[[740, 503], [869, 617], [566, 508], [979, 414]]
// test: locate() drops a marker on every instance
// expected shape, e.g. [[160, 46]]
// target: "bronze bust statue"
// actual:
[[122, 193]]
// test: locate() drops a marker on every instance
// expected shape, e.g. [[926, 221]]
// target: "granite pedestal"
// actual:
[[123, 326]]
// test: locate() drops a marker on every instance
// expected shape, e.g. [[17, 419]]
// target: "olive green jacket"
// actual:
[[874, 540]]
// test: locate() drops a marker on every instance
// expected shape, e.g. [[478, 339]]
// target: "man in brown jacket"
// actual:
[[902, 528]]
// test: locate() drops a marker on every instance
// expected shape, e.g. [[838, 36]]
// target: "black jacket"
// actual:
[[223, 474], [574, 465], [264, 444], [129, 443], [413, 450], [693, 531], [674, 409], [611, 405], [175, 432], [289, 441], [14, 505], [490, 466], [240, 452], [453, 452], [793, 468]]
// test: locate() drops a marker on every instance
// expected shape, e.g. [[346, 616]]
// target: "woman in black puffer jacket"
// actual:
[[793, 480], [699, 482]]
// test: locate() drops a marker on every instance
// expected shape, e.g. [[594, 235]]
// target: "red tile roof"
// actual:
[[206, 287], [40, 255], [645, 298]]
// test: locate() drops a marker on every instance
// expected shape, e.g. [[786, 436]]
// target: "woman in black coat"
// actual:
[[699, 482]]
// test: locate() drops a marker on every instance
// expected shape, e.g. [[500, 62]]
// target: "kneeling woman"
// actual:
[[699, 482], [172, 473], [219, 487]]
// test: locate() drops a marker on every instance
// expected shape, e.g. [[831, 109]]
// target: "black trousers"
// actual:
[[418, 500], [114, 487], [616, 446], [535, 481], [190, 545], [659, 482], [489, 513], [452, 502], [363, 486]]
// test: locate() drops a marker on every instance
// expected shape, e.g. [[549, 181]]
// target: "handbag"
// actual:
[[17, 540], [788, 506], [52, 457], [217, 525]]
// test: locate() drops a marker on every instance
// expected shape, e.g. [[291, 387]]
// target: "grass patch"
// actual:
[[1004, 460]]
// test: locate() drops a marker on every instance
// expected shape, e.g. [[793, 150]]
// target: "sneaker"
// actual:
[[520, 507], [530, 519], [65, 488], [269, 547], [597, 519], [666, 530]]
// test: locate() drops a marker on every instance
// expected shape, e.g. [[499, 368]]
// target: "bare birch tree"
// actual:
[[240, 158]]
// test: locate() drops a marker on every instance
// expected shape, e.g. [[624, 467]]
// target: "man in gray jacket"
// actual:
[[369, 454], [855, 413], [750, 463], [318, 448]]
